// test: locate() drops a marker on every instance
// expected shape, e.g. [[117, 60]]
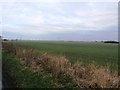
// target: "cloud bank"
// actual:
[[31, 20]]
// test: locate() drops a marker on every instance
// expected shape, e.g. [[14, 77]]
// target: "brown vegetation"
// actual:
[[87, 76]]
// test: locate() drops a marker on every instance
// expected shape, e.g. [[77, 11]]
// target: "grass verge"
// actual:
[[24, 77]]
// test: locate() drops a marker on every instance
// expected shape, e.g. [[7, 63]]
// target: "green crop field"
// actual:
[[27, 64], [105, 54]]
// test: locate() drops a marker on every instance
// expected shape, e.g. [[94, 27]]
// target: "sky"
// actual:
[[59, 20]]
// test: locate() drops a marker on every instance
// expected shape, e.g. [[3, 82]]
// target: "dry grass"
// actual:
[[88, 76]]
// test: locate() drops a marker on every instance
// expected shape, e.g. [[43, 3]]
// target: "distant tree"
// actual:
[[16, 39], [111, 42], [5, 39]]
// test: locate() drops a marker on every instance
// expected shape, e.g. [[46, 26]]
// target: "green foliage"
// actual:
[[66, 80]]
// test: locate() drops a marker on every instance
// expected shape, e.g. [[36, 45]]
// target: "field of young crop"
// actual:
[[60, 64], [105, 54]]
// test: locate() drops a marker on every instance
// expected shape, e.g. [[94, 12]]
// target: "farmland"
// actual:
[[61, 64], [102, 53]]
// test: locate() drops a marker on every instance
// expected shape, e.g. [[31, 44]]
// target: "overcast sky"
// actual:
[[82, 21]]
